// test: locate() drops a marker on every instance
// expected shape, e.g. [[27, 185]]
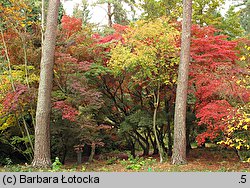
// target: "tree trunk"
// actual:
[[167, 108], [161, 140], [156, 104], [153, 142], [109, 15], [146, 152], [131, 144], [139, 141], [155, 148], [132, 149], [65, 151], [145, 141], [179, 152], [188, 144], [42, 22], [42, 128], [92, 154]]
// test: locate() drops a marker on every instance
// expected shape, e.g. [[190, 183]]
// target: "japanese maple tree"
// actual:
[[213, 76]]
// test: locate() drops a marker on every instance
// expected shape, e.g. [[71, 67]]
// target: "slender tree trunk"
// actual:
[[23, 39], [161, 140], [156, 104], [132, 149], [155, 148], [109, 15], [42, 128], [145, 141], [92, 154], [167, 108], [131, 144], [139, 141], [28, 134], [146, 152], [153, 143], [42, 22], [179, 151], [188, 144], [8, 60]]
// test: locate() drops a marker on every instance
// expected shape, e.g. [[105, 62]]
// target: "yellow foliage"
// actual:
[[243, 58], [17, 14], [7, 122], [238, 129], [19, 75], [149, 50]]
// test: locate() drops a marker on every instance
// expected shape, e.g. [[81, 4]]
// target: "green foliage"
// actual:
[[138, 163], [119, 13], [61, 12], [56, 165], [111, 160], [6, 161], [230, 24], [139, 120], [245, 14], [64, 135], [155, 9], [17, 141], [96, 70], [82, 12], [206, 12], [59, 95]]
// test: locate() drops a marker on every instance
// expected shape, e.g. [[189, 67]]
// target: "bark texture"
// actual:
[[42, 128], [179, 151], [110, 15], [156, 105]]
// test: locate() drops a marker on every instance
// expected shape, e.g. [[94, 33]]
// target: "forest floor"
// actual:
[[199, 160]]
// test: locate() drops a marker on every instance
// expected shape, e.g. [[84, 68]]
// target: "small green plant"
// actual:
[[56, 165], [83, 168], [13, 168], [111, 160], [150, 161], [222, 169], [149, 169], [134, 167], [137, 163], [8, 161], [103, 169], [74, 166]]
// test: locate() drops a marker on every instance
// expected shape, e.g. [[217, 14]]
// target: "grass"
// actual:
[[199, 160]]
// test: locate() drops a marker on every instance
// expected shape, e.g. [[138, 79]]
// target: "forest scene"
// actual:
[[163, 86]]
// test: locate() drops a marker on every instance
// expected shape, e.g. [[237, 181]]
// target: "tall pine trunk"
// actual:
[[42, 128], [179, 151]]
